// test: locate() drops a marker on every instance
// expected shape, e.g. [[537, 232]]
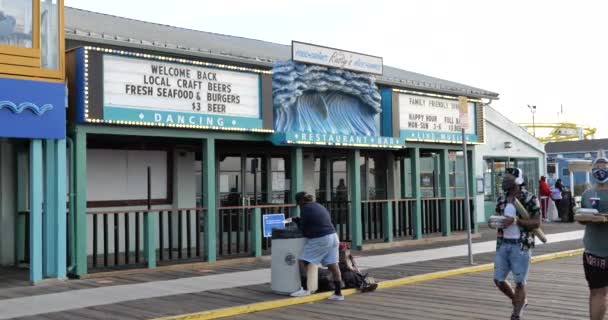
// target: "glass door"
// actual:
[[429, 175], [339, 180], [249, 179]]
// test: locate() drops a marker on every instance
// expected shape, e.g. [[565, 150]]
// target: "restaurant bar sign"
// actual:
[[335, 58], [140, 89], [434, 119], [337, 140]]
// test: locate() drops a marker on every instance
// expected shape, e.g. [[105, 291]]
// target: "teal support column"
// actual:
[[387, 221], [473, 192], [20, 232], [256, 232], [387, 212], [80, 211], [61, 220], [354, 172], [403, 187], [297, 176], [72, 207], [49, 212], [36, 198], [444, 184], [416, 194], [54, 223], [150, 226], [209, 199]]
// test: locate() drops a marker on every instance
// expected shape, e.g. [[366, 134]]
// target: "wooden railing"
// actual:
[[431, 215], [373, 213], [115, 238], [180, 233], [403, 226], [340, 217], [457, 214], [372, 219]]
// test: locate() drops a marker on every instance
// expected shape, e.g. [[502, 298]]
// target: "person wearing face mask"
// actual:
[[595, 257], [515, 240]]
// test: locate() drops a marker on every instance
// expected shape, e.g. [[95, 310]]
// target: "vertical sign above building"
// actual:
[[335, 58], [463, 110]]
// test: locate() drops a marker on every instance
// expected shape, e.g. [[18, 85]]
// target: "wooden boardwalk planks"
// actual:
[[557, 290]]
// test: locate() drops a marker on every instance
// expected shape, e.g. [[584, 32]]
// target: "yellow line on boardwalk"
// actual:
[[280, 303]]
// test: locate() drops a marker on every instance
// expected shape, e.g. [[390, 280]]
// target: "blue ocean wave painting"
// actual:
[[26, 105], [310, 98]]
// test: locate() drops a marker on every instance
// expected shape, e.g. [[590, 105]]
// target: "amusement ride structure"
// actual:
[[561, 131]]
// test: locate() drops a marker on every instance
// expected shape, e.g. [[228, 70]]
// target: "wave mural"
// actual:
[[310, 98], [37, 110]]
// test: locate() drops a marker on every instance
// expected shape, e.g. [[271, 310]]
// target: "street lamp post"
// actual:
[[533, 110]]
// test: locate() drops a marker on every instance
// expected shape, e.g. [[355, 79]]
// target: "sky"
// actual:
[[543, 53]]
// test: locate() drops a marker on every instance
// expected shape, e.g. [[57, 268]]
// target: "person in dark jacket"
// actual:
[[322, 243], [556, 191]]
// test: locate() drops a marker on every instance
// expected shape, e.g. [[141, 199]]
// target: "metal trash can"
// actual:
[[287, 245], [566, 207]]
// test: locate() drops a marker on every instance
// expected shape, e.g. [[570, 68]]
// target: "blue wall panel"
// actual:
[[32, 109]]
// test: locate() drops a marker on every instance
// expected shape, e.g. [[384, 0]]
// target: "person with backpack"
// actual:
[[351, 275], [515, 240]]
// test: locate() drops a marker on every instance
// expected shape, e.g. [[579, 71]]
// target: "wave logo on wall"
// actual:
[[311, 98], [37, 110]]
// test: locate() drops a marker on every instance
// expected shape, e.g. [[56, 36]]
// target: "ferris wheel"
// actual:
[[561, 131]]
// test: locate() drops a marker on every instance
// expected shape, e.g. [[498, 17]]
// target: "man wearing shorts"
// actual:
[[514, 240], [595, 258], [322, 243]]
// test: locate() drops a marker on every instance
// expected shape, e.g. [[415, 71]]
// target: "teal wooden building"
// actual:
[[183, 140]]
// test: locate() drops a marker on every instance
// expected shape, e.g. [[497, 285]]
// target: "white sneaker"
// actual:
[[335, 297], [301, 293]]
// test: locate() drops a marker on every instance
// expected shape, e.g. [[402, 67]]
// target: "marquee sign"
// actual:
[[435, 119], [335, 58], [140, 89]]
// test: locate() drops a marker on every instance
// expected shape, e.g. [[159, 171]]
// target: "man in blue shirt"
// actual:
[[322, 244]]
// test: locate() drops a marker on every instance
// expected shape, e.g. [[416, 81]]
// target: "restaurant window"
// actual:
[[456, 171], [280, 182], [529, 168], [373, 177], [339, 180], [230, 181], [49, 34], [31, 38], [494, 170], [407, 171], [16, 23], [428, 175]]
